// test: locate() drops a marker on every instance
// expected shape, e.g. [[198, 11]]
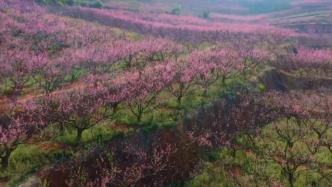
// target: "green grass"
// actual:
[[99, 133], [27, 159]]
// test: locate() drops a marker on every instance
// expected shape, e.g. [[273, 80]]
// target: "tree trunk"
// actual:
[[139, 117], [291, 179], [79, 135], [223, 80], [115, 108], [5, 158], [179, 100], [61, 128], [205, 91]]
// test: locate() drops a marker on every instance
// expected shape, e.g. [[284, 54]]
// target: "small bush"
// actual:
[[27, 159], [96, 4], [206, 14], [176, 10]]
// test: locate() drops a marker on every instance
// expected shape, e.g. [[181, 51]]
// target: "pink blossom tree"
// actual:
[[213, 65], [17, 125], [82, 109], [182, 81], [142, 87], [16, 68]]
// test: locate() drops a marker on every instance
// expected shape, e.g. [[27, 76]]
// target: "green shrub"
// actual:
[[176, 10], [206, 14], [96, 4], [27, 159]]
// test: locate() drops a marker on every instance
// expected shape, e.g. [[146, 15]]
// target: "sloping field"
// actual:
[[165, 93]]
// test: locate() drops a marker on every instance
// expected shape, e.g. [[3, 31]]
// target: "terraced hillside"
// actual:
[[165, 93]]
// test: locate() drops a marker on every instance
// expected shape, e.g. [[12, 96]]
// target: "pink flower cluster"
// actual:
[[306, 105], [85, 43], [21, 121], [312, 57]]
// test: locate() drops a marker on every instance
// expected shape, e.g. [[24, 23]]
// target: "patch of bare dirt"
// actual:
[[49, 145]]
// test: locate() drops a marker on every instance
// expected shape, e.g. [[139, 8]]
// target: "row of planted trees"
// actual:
[[138, 89], [59, 50], [292, 145], [53, 54], [108, 73], [181, 28]]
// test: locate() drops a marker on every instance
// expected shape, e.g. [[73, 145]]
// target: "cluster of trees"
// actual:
[[52, 57], [127, 163], [56, 71], [147, 68], [88, 3], [294, 149], [285, 141], [289, 151], [181, 28], [136, 88], [305, 62]]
